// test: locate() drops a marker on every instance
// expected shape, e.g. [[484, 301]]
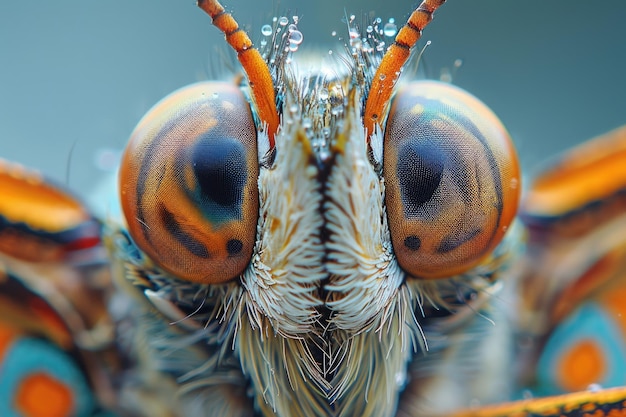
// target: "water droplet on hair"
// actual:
[[266, 30], [390, 29], [295, 37], [283, 21]]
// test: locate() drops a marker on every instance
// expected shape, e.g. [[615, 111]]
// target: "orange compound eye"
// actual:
[[452, 179], [188, 183]]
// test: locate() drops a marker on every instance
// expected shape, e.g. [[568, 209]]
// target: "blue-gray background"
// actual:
[[82, 73]]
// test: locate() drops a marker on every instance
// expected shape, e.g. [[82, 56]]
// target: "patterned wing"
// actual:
[[55, 332], [572, 311]]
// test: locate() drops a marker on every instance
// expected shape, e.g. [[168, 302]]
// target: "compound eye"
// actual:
[[188, 183], [452, 179]]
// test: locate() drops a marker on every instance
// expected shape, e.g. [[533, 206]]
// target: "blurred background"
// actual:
[[77, 75]]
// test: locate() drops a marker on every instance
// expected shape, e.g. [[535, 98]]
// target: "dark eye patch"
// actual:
[[419, 170], [220, 169]]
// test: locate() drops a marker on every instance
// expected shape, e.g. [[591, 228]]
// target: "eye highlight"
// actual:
[[451, 179], [188, 183]]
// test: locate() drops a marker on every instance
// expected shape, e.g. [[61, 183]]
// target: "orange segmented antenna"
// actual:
[[253, 64], [390, 66]]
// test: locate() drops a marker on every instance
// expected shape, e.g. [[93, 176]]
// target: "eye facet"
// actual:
[[188, 183], [451, 179]]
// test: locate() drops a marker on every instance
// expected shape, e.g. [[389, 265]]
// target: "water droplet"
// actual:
[[352, 17], [292, 28], [369, 29], [457, 62], [274, 19], [354, 33], [263, 42], [400, 378], [330, 52], [293, 108], [382, 77], [293, 47], [390, 29], [266, 30], [323, 94], [283, 21], [333, 33], [594, 388], [295, 37], [306, 123], [295, 19]]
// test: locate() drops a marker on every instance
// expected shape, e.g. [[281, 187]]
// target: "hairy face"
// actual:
[[324, 256]]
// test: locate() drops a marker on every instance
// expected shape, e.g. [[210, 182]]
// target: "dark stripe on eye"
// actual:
[[420, 170], [463, 121], [176, 231], [451, 242], [147, 166]]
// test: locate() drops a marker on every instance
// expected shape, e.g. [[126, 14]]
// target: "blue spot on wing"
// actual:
[[29, 355], [589, 321]]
